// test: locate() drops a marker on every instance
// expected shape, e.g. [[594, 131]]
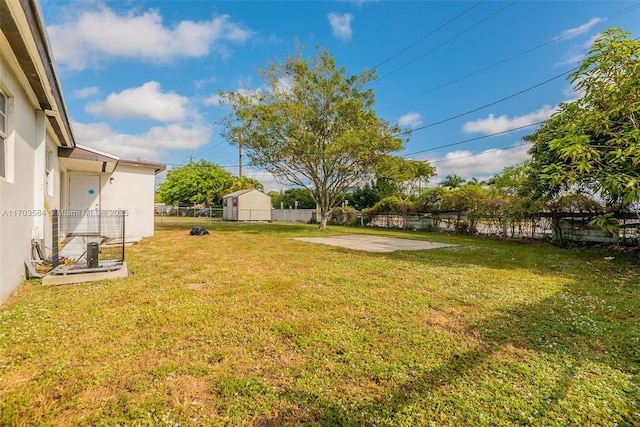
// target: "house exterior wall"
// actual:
[[52, 184], [132, 190], [22, 202]]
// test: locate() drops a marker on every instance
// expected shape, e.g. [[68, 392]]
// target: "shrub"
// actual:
[[390, 206], [343, 216]]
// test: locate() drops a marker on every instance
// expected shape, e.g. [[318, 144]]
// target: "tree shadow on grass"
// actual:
[[589, 323], [566, 338]]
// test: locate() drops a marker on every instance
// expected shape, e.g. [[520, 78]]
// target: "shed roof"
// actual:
[[241, 192]]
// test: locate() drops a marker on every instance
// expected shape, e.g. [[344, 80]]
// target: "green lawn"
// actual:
[[250, 327]]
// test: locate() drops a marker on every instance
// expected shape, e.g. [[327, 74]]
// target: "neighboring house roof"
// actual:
[[22, 25]]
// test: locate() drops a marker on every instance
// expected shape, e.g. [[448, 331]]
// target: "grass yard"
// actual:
[[247, 326]]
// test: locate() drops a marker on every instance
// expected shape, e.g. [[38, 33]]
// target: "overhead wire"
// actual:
[[490, 104], [427, 35], [619, 13], [484, 153], [627, 10], [510, 58], [444, 43], [477, 138], [212, 148]]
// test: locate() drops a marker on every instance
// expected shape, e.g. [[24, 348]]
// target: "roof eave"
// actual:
[[23, 26]]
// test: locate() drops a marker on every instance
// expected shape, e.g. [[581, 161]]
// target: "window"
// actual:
[[48, 176], [4, 107], [47, 162]]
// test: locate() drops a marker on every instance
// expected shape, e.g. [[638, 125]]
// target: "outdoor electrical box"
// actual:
[[93, 250]]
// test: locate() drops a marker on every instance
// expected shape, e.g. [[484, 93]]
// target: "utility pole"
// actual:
[[239, 156]]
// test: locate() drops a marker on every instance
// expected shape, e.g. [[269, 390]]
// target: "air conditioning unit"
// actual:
[[93, 251]]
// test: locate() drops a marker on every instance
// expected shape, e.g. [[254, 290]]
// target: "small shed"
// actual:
[[246, 205]]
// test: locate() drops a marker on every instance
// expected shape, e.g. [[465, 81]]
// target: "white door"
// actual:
[[83, 216]]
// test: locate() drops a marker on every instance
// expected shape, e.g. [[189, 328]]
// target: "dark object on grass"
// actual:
[[199, 231]]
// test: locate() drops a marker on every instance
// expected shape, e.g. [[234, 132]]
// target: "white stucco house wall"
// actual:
[[33, 125], [42, 167], [246, 205]]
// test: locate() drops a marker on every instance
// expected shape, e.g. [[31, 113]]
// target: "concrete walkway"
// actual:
[[374, 243]]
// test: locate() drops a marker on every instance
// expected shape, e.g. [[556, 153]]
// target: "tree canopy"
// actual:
[[366, 196], [288, 198], [403, 177], [201, 183], [314, 126], [594, 142]]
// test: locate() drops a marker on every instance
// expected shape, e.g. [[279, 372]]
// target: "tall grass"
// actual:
[[248, 326]]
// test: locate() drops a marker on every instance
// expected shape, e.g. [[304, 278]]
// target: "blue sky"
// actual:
[[140, 78]]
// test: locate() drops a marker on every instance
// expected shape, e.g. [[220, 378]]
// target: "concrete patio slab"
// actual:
[[374, 243], [84, 277]]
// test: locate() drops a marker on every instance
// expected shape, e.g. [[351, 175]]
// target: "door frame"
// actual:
[[68, 220]]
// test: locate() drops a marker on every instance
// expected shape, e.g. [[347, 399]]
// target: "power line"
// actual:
[[510, 58], [513, 95], [472, 139], [627, 10], [619, 13], [484, 153], [426, 35], [209, 149], [444, 43]]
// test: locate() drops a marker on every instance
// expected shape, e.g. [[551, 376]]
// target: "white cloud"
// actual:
[[588, 44], [571, 59], [213, 100], [571, 93], [244, 89], [572, 32], [88, 36], [481, 165], [493, 124], [144, 102], [341, 25], [152, 145], [199, 84], [86, 92], [577, 53], [412, 120]]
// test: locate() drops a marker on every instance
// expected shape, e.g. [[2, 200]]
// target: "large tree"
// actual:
[[199, 183], [594, 142], [313, 126]]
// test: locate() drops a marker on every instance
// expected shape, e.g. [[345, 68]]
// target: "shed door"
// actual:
[[84, 204]]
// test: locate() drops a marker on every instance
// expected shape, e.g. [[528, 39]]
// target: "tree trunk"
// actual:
[[324, 217], [558, 238]]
